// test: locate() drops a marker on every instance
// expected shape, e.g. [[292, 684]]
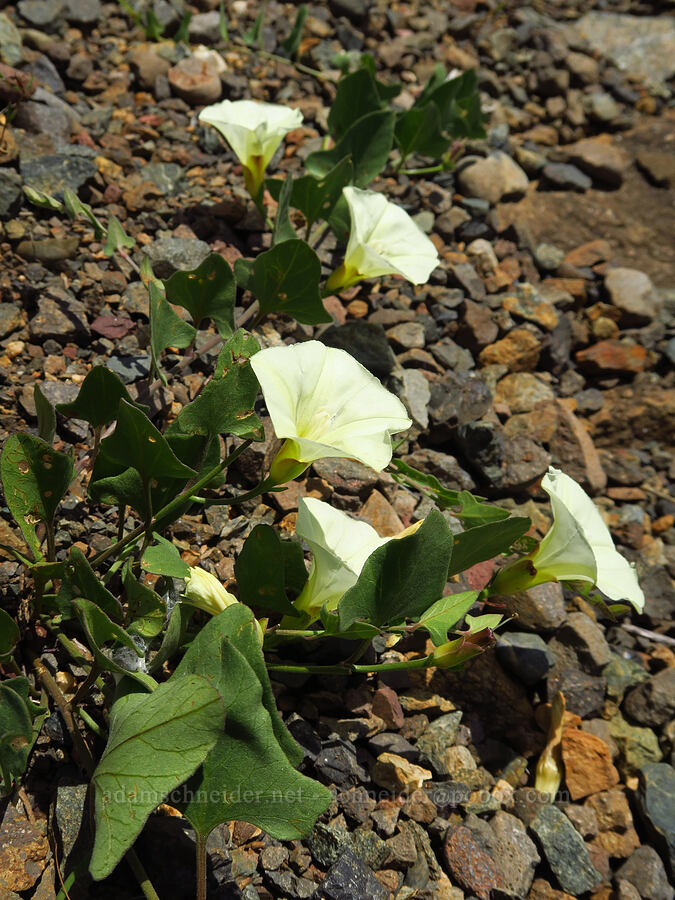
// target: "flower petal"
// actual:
[[384, 239], [328, 403], [252, 129]]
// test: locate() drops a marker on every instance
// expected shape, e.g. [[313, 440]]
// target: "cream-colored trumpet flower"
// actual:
[[340, 547], [383, 240], [324, 403], [577, 547], [204, 590], [254, 131]]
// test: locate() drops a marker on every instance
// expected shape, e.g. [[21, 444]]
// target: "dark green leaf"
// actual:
[[283, 230], [295, 570], [402, 578], [356, 96], [291, 44], [340, 219], [45, 415], [116, 486], [386, 92], [252, 36], [458, 102], [117, 238], [183, 33], [445, 613], [286, 280], [419, 131], [485, 542], [243, 270], [207, 292], [137, 443], [16, 736], [88, 585], [357, 631], [152, 26], [9, 635], [444, 497], [35, 478], [436, 79], [316, 197], [156, 741], [173, 636], [167, 329], [473, 512], [162, 558], [260, 572], [225, 404], [146, 608], [222, 22], [251, 767], [368, 142], [98, 399]]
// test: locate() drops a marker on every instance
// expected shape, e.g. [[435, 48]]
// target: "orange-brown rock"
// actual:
[[519, 350], [588, 764], [613, 357], [589, 254]]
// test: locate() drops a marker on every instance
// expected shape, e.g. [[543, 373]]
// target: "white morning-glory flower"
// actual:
[[340, 546], [253, 130], [383, 240], [577, 547], [325, 403]]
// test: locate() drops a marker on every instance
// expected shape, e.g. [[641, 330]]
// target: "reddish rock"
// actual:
[[542, 890], [519, 350], [613, 357], [589, 254], [379, 512], [573, 449], [469, 865], [588, 764], [386, 705], [196, 81]]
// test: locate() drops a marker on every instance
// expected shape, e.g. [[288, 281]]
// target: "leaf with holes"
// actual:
[[402, 578], [207, 292], [225, 405], [35, 478], [368, 141], [98, 399], [285, 279], [155, 742], [167, 329], [137, 443], [251, 768]]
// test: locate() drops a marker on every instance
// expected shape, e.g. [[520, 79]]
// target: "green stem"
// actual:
[[171, 507], [428, 170], [141, 875], [121, 516], [352, 668], [91, 724], [147, 538], [231, 501], [51, 544], [94, 450], [201, 866], [86, 685], [358, 653]]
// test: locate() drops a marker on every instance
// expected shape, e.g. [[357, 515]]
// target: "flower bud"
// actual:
[[204, 590]]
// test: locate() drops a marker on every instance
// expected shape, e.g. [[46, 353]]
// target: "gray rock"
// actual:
[[603, 107], [351, 879], [541, 608], [55, 172], [548, 257], [83, 12], [10, 41], [170, 254], [622, 673], [603, 161], [584, 694], [337, 763], [565, 851], [205, 27], [370, 847], [525, 655], [438, 737], [641, 45], [457, 399], [415, 395], [645, 871], [653, 702], [442, 466], [452, 356], [656, 799], [516, 854], [565, 177], [494, 178], [10, 318], [168, 177], [366, 342], [634, 294], [42, 13], [407, 335], [130, 368], [10, 193], [59, 316], [45, 72], [49, 249], [586, 640], [327, 842], [637, 746]]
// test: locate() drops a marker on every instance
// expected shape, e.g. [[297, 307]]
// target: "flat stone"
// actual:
[[366, 342], [398, 775], [147, 65], [346, 475], [613, 357], [645, 871], [565, 177], [588, 764], [601, 159], [637, 746], [171, 254], [494, 178], [653, 702], [42, 13], [60, 316], [519, 350], [587, 641], [10, 318], [10, 193], [49, 249], [10, 41], [634, 294], [656, 799], [468, 864], [351, 879], [658, 167], [527, 303], [83, 12], [407, 335], [589, 254], [584, 693], [522, 391], [640, 45], [541, 608], [196, 80], [516, 855], [54, 173], [565, 851], [437, 739], [525, 655], [386, 705], [442, 466]]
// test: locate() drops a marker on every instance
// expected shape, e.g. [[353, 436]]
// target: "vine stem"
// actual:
[[141, 875], [201, 867], [423, 662], [171, 507]]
